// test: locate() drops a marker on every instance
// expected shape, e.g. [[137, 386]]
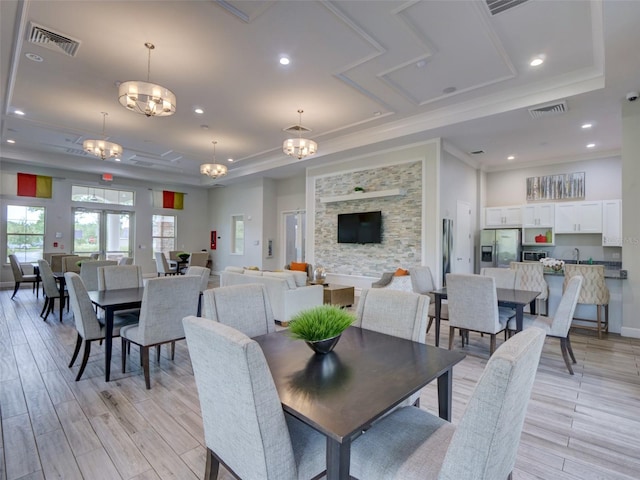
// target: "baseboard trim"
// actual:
[[630, 332]]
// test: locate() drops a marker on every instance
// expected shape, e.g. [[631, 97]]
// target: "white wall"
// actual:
[[193, 232]]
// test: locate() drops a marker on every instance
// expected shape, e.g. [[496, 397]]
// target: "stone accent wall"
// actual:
[[401, 220]]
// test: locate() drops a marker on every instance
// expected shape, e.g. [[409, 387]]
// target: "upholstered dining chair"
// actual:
[[198, 259], [163, 267], [245, 427], [505, 278], [422, 283], [594, 291], [473, 306], [411, 443], [530, 276], [51, 290], [119, 276], [56, 261], [243, 307], [203, 273], [560, 324], [19, 277], [165, 302], [394, 312], [70, 263], [86, 321], [125, 261], [89, 272]]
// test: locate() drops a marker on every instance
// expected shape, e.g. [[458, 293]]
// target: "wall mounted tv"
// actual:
[[363, 227]]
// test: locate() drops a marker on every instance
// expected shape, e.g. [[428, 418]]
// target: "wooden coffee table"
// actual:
[[340, 295]]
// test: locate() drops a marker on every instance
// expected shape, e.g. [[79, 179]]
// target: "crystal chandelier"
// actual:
[[147, 98], [299, 147], [103, 148], [213, 170]]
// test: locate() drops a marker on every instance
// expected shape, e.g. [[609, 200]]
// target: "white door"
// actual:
[[462, 239]]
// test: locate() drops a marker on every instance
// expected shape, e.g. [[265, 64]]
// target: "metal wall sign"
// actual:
[[565, 186]]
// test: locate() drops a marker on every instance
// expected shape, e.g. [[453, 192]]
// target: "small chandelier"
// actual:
[[213, 170], [147, 98], [103, 148], [299, 147]]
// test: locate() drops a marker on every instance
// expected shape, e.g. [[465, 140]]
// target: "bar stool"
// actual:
[[530, 276], [594, 291]]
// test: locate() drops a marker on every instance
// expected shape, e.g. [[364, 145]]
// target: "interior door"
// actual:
[[462, 239], [294, 236]]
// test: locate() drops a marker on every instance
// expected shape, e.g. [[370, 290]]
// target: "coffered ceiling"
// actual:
[[367, 74]]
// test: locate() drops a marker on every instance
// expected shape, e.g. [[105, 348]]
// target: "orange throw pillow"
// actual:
[[299, 267], [401, 272]]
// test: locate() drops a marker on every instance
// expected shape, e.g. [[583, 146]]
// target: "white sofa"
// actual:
[[287, 296]]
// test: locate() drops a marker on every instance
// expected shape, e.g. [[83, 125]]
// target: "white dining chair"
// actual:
[[119, 276], [89, 272], [163, 267]]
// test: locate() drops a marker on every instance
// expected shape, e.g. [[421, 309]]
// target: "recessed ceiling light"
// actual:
[[587, 125], [199, 111], [591, 145], [536, 62], [204, 127], [229, 159], [34, 57], [421, 63], [284, 60], [11, 141], [18, 112], [117, 159], [511, 157], [449, 90]]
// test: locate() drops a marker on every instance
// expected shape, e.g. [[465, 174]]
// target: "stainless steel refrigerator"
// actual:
[[500, 247]]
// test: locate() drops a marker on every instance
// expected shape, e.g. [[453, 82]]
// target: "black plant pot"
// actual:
[[324, 346]]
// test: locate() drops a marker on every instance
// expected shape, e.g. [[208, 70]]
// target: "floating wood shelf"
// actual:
[[361, 196]]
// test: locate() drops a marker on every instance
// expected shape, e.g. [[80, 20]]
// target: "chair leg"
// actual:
[[452, 331], [76, 351], [15, 290], [145, 366], [85, 358], [173, 350], [606, 318], [157, 353], [124, 344], [49, 308], [570, 350], [599, 320], [565, 355], [429, 324], [492, 344], [44, 307], [212, 466]]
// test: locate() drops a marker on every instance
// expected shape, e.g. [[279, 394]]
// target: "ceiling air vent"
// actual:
[[477, 152], [555, 108], [499, 6], [47, 38]]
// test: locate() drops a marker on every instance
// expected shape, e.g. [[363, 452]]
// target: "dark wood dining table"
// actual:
[[111, 301], [507, 297], [341, 393]]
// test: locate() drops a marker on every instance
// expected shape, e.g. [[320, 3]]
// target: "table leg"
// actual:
[[532, 306], [445, 393], [438, 301], [519, 317], [108, 339], [338, 459], [61, 285]]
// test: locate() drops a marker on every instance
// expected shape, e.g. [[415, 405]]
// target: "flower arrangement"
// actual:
[[552, 263]]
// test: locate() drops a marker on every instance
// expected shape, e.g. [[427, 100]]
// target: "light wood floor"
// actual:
[[585, 426]]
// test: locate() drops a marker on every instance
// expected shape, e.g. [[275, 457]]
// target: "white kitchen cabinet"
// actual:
[[579, 217], [538, 215], [612, 223], [497, 217]]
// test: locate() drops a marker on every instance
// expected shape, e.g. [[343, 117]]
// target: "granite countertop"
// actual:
[[611, 270]]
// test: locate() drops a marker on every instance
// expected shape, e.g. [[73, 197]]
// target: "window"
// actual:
[[237, 234], [25, 232], [163, 234], [81, 193]]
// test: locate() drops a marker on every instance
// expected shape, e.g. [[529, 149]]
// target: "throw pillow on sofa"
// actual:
[[301, 277]]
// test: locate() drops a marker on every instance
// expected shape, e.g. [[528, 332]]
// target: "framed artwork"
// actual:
[[565, 186]]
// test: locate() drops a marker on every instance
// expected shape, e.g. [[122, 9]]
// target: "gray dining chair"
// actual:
[[245, 427], [423, 284], [51, 290], [125, 261], [412, 443], [163, 267], [203, 274], [120, 276], [20, 277], [244, 307], [560, 325], [198, 259], [473, 306], [89, 272], [86, 321], [530, 276], [394, 312], [165, 301]]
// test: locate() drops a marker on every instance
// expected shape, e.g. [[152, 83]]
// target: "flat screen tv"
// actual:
[[363, 227]]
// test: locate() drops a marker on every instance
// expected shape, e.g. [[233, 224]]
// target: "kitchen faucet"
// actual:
[[577, 253]]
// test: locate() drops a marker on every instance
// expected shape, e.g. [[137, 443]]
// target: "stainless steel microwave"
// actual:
[[533, 256]]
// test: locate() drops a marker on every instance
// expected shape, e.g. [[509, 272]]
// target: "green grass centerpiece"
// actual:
[[320, 326]]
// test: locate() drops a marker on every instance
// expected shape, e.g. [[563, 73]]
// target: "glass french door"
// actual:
[[104, 232]]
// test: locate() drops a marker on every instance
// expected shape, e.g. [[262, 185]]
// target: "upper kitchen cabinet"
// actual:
[[579, 217], [498, 217], [538, 215], [612, 223]]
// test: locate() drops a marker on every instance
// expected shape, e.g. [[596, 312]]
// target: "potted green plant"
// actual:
[[184, 256], [358, 190], [320, 327]]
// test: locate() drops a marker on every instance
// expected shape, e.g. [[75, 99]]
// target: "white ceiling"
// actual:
[[363, 71]]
